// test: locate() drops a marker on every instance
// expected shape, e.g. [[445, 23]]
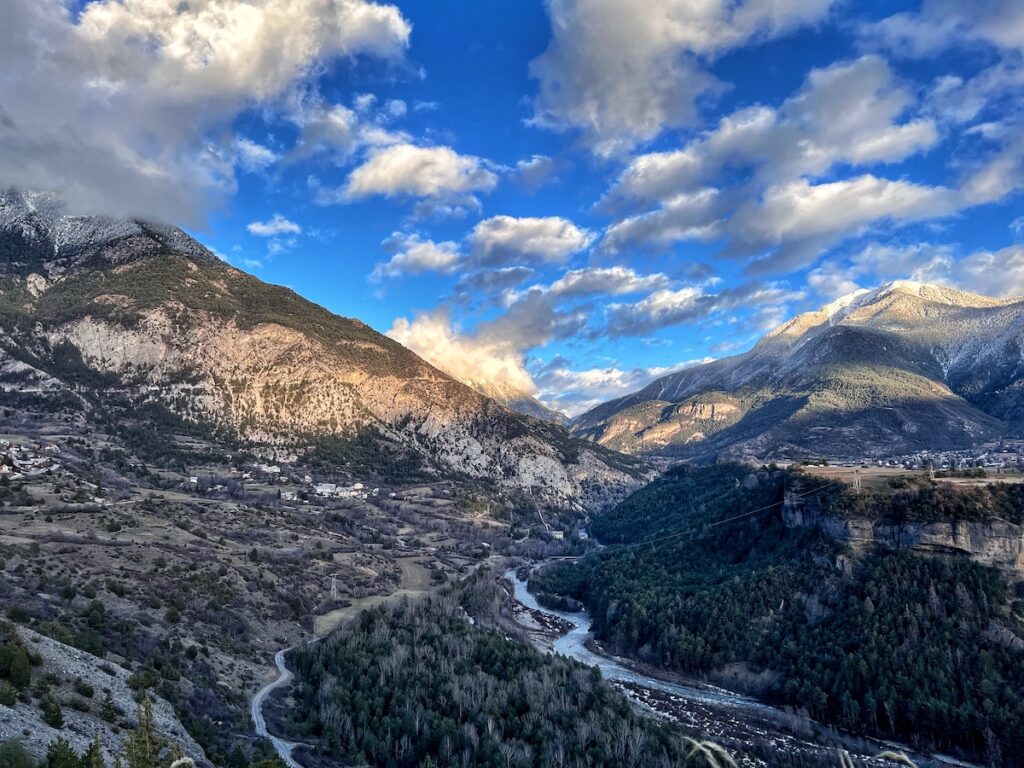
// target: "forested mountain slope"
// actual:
[[896, 643]]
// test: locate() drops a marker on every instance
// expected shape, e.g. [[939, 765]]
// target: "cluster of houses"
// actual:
[[336, 491], [297, 487], [1002, 458], [27, 461]]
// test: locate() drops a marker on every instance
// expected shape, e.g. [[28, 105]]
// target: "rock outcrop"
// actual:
[[989, 542]]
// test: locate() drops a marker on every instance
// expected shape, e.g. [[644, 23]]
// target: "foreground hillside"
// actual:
[[100, 315], [921, 644], [906, 367]]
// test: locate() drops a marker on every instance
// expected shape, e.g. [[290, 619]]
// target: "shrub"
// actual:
[[53, 715], [8, 696]]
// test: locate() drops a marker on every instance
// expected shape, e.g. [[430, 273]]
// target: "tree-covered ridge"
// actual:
[[910, 648], [894, 644], [927, 502], [684, 497], [421, 684]]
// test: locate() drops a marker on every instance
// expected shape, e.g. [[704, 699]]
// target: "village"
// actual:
[[293, 487], [27, 460]]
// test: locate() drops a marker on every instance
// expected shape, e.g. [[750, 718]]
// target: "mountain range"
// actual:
[[905, 367], [96, 311]]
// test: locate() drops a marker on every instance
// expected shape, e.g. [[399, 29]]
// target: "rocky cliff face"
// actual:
[[989, 542], [97, 304], [902, 368]]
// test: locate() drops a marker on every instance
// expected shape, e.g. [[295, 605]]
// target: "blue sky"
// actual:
[[570, 197]]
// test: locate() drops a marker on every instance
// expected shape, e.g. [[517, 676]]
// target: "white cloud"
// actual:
[[941, 24], [274, 226], [253, 157], [686, 216], [470, 359], [124, 107], [429, 172], [795, 221], [279, 245], [534, 172], [606, 281], [668, 307], [991, 273], [623, 70], [413, 256], [851, 114], [551, 239]]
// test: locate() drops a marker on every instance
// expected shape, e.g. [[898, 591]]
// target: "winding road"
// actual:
[[283, 748]]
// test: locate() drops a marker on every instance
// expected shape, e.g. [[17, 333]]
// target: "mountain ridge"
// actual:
[[157, 317], [903, 367]]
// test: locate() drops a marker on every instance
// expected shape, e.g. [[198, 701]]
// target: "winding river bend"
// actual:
[[574, 645], [714, 710]]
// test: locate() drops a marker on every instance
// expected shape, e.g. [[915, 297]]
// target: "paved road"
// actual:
[[284, 748]]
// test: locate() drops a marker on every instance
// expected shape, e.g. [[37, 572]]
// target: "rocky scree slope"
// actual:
[[905, 367], [97, 306]]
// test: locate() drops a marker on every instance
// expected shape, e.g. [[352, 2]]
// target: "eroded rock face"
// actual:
[[156, 316], [995, 542], [271, 382]]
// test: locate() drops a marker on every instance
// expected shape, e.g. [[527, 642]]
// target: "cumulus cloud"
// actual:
[[606, 281], [474, 360], [797, 220], [620, 71], [550, 239], [123, 107], [253, 157], [992, 273], [274, 226], [941, 24], [425, 172], [852, 114], [336, 131], [491, 284], [534, 172], [414, 255], [668, 307]]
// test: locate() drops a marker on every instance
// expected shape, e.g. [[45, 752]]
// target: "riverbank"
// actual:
[[731, 719]]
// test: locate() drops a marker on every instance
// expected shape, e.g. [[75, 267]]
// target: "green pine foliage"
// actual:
[[893, 644], [417, 684]]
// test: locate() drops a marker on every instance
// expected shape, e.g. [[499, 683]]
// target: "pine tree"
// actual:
[[93, 756], [143, 746], [21, 670], [61, 755], [53, 715]]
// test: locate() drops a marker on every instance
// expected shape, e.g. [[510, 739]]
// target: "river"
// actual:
[[716, 712]]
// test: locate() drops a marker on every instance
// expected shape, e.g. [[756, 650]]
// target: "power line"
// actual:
[[734, 518]]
